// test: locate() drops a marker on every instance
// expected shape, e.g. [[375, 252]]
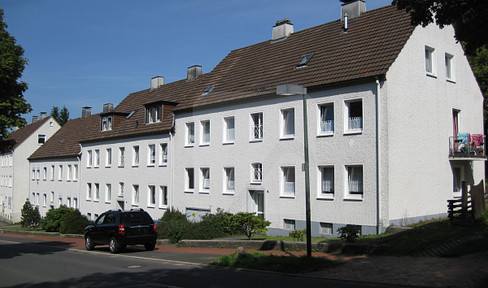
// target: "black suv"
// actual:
[[121, 228]]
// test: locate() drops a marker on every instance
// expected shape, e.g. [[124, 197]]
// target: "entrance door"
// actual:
[[257, 204]]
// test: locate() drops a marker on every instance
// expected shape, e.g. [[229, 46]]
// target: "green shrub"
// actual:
[[297, 235], [73, 223], [54, 218], [349, 233], [173, 226], [30, 216], [249, 223]]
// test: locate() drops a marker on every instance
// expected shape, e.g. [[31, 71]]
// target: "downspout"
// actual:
[[80, 177], [378, 156], [171, 164]]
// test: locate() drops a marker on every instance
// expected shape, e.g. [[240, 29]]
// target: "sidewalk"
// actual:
[[469, 271]]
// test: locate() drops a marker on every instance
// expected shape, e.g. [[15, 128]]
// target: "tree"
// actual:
[[467, 16], [12, 102], [249, 223], [61, 116], [30, 216]]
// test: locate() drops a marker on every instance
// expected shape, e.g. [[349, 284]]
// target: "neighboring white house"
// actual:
[[394, 120], [126, 162], [14, 169], [58, 163]]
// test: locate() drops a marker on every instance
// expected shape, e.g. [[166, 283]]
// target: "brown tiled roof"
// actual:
[[368, 49], [23, 133], [65, 142]]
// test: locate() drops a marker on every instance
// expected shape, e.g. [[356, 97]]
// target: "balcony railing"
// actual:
[[466, 145]]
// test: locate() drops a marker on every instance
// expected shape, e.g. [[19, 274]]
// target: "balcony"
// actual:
[[467, 146]]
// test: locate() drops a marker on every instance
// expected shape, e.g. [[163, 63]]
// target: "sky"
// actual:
[[91, 52]]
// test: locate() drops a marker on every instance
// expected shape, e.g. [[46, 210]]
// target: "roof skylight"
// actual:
[[131, 114], [305, 60], [206, 91]]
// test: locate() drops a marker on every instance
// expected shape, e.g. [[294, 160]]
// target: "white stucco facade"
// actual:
[[55, 182], [16, 192], [123, 182], [420, 109]]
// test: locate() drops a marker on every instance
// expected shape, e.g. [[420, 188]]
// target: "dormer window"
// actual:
[[153, 114], [106, 123]]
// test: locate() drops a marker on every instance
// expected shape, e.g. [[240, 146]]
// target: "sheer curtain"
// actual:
[[355, 179]]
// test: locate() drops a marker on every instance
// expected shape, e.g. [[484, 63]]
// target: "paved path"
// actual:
[[469, 271]]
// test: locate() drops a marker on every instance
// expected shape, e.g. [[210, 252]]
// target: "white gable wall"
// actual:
[[420, 122]]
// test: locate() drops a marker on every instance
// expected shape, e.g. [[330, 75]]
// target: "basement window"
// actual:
[[206, 91], [305, 61]]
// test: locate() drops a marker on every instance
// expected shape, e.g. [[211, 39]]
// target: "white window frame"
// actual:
[[289, 224], [106, 123], [229, 180], [326, 228], [256, 132], [151, 155], [204, 180], [153, 114], [287, 123], [121, 189], [229, 130], [108, 193], [256, 173], [325, 124], [189, 179], [53, 171], [89, 160], [121, 156], [151, 196], [321, 194], [450, 67], [357, 195], [44, 173], [288, 188], [351, 123], [163, 160], [41, 139], [96, 192], [75, 172], [97, 158], [135, 156], [163, 196], [190, 134], [89, 191], [68, 172], [108, 157], [135, 195], [60, 172], [205, 132], [430, 61]]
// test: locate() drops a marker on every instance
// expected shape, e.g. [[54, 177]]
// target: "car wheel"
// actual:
[[114, 246], [89, 244], [149, 246]]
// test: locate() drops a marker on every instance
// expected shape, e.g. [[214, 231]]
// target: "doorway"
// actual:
[[257, 202]]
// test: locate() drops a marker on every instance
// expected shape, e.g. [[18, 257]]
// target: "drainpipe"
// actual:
[[171, 163], [378, 157]]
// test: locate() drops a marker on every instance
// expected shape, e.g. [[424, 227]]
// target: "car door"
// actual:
[[96, 233]]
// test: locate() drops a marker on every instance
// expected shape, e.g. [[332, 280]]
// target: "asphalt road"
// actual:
[[28, 262]]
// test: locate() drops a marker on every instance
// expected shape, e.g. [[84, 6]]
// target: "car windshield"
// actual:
[[137, 218]]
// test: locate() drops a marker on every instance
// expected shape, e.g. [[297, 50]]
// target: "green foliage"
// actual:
[[349, 233], [12, 102], [54, 218], [30, 216], [73, 223], [61, 116], [282, 264], [173, 226], [249, 223], [467, 17], [297, 235]]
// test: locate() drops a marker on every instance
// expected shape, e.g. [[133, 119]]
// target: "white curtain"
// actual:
[[327, 180], [355, 179]]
